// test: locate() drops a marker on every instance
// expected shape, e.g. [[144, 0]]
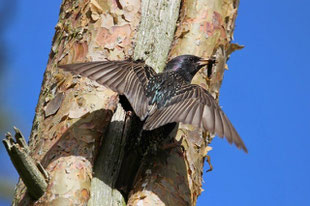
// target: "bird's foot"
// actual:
[[174, 144], [162, 151]]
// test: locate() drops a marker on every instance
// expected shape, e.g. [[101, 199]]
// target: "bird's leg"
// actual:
[[159, 142], [174, 144], [170, 142], [166, 148], [161, 150]]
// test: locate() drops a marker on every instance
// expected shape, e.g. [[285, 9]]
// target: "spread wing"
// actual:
[[194, 105], [124, 77]]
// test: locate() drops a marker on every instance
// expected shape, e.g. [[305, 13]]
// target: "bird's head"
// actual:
[[187, 65]]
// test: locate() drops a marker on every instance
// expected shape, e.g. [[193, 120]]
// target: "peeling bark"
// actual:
[[68, 131], [73, 113], [205, 29]]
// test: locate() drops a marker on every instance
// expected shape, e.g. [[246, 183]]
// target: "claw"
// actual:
[[174, 144]]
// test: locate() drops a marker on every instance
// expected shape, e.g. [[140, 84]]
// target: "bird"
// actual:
[[166, 97]]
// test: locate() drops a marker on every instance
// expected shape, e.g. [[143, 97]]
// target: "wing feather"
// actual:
[[208, 119], [194, 105], [218, 126], [226, 127], [190, 113], [127, 78], [165, 115], [92, 70]]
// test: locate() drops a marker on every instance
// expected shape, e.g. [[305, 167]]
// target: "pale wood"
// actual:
[[205, 29], [67, 141], [68, 129], [156, 31]]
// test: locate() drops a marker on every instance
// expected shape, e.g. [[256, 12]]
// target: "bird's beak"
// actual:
[[204, 62]]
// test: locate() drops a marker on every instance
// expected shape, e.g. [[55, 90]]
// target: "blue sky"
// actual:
[[265, 93]]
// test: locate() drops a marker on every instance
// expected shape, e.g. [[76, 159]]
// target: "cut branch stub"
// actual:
[[33, 174]]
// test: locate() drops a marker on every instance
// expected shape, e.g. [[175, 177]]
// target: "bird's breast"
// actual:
[[162, 88]]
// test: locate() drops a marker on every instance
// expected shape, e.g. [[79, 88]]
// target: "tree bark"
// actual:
[[205, 29], [67, 133], [73, 113]]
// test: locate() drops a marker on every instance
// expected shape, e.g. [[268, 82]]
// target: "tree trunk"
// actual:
[[73, 114], [205, 29]]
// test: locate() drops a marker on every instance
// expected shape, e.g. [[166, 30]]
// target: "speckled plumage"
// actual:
[[163, 87], [163, 98]]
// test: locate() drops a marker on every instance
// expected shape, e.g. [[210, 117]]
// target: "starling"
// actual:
[[162, 98]]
